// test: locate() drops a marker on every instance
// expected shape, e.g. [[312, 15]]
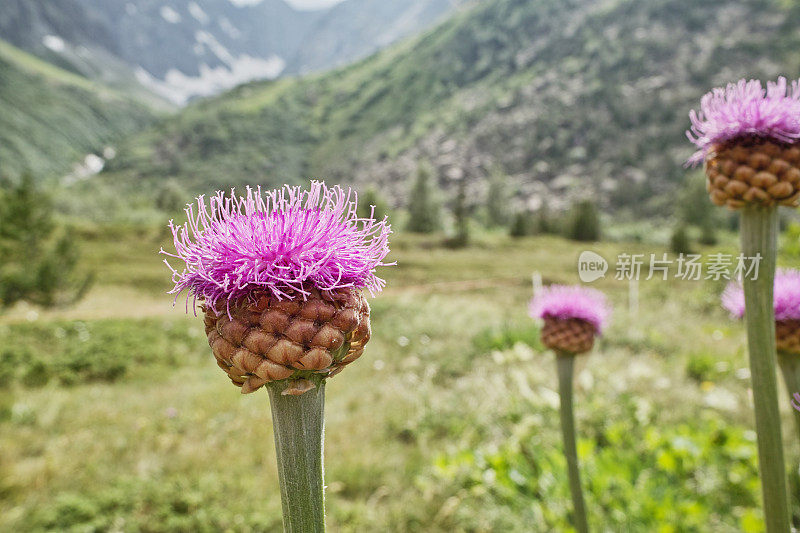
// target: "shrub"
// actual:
[[506, 337], [700, 367], [521, 224], [103, 350], [679, 242]]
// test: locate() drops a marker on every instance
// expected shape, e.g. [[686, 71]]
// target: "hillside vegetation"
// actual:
[[51, 118], [566, 97]]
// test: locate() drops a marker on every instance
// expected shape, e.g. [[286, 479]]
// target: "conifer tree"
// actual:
[[37, 258], [423, 209]]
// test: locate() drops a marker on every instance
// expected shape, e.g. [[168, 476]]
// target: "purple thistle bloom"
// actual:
[[285, 242], [787, 296], [571, 301], [743, 109]]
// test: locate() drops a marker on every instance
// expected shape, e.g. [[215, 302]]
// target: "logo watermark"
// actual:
[[693, 267], [591, 266]]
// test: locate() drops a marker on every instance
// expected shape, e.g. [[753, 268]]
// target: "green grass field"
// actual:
[[114, 417]]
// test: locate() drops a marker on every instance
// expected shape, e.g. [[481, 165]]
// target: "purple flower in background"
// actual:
[[796, 400], [745, 108], [787, 296], [285, 242], [571, 301]]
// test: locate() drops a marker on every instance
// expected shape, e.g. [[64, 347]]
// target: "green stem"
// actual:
[[790, 368], [566, 369], [759, 231], [298, 423]]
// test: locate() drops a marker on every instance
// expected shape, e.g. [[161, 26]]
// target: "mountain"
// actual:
[[51, 118], [376, 24], [568, 98], [181, 49]]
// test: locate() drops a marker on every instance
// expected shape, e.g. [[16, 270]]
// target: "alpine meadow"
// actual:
[[468, 238]]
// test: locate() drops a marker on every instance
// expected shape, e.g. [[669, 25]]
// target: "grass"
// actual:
[[113, 415]]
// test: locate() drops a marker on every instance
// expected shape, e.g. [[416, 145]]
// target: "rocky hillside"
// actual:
[[566, 97], [181, 49]]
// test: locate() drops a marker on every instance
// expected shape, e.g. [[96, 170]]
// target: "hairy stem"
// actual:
[[298, 425], [566, 369], [759, 230]]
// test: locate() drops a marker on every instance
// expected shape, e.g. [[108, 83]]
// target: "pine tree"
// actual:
[[585, 223], [423, 209], [37, 259], [461, 215], [544, 224], [520, 224], [497, 200], [708, 234]]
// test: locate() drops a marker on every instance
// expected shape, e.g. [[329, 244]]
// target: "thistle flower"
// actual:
[[573, 316], [745, 109], [786, 296], [786, 305], [282, 242], [787, 324], [747, 135], [280, 277]]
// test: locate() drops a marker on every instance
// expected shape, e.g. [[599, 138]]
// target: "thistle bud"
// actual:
[[786, 306], [280, 277], [573, 317], [748, 139]]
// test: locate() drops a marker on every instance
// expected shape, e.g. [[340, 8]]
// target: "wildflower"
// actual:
[[280, 276], [786, 305], [748, 136], [573, 316]]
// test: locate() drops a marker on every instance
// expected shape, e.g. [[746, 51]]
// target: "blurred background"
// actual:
[[501, 137]]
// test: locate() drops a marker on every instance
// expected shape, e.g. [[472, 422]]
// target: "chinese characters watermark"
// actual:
[[691, 267]]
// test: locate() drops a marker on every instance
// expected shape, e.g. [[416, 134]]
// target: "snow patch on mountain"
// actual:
[[170, 15], [205, 38], [179, 88], [197, 12], [244, 3], [54, 43], [229, 28]]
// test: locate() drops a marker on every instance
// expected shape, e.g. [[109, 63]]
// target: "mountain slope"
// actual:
[[567, 97], [186, 48], [51, 118]]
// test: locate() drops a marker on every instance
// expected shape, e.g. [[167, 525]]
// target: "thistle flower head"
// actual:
[[787, 296], [284, 242], [745, 109], [571, 301]]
